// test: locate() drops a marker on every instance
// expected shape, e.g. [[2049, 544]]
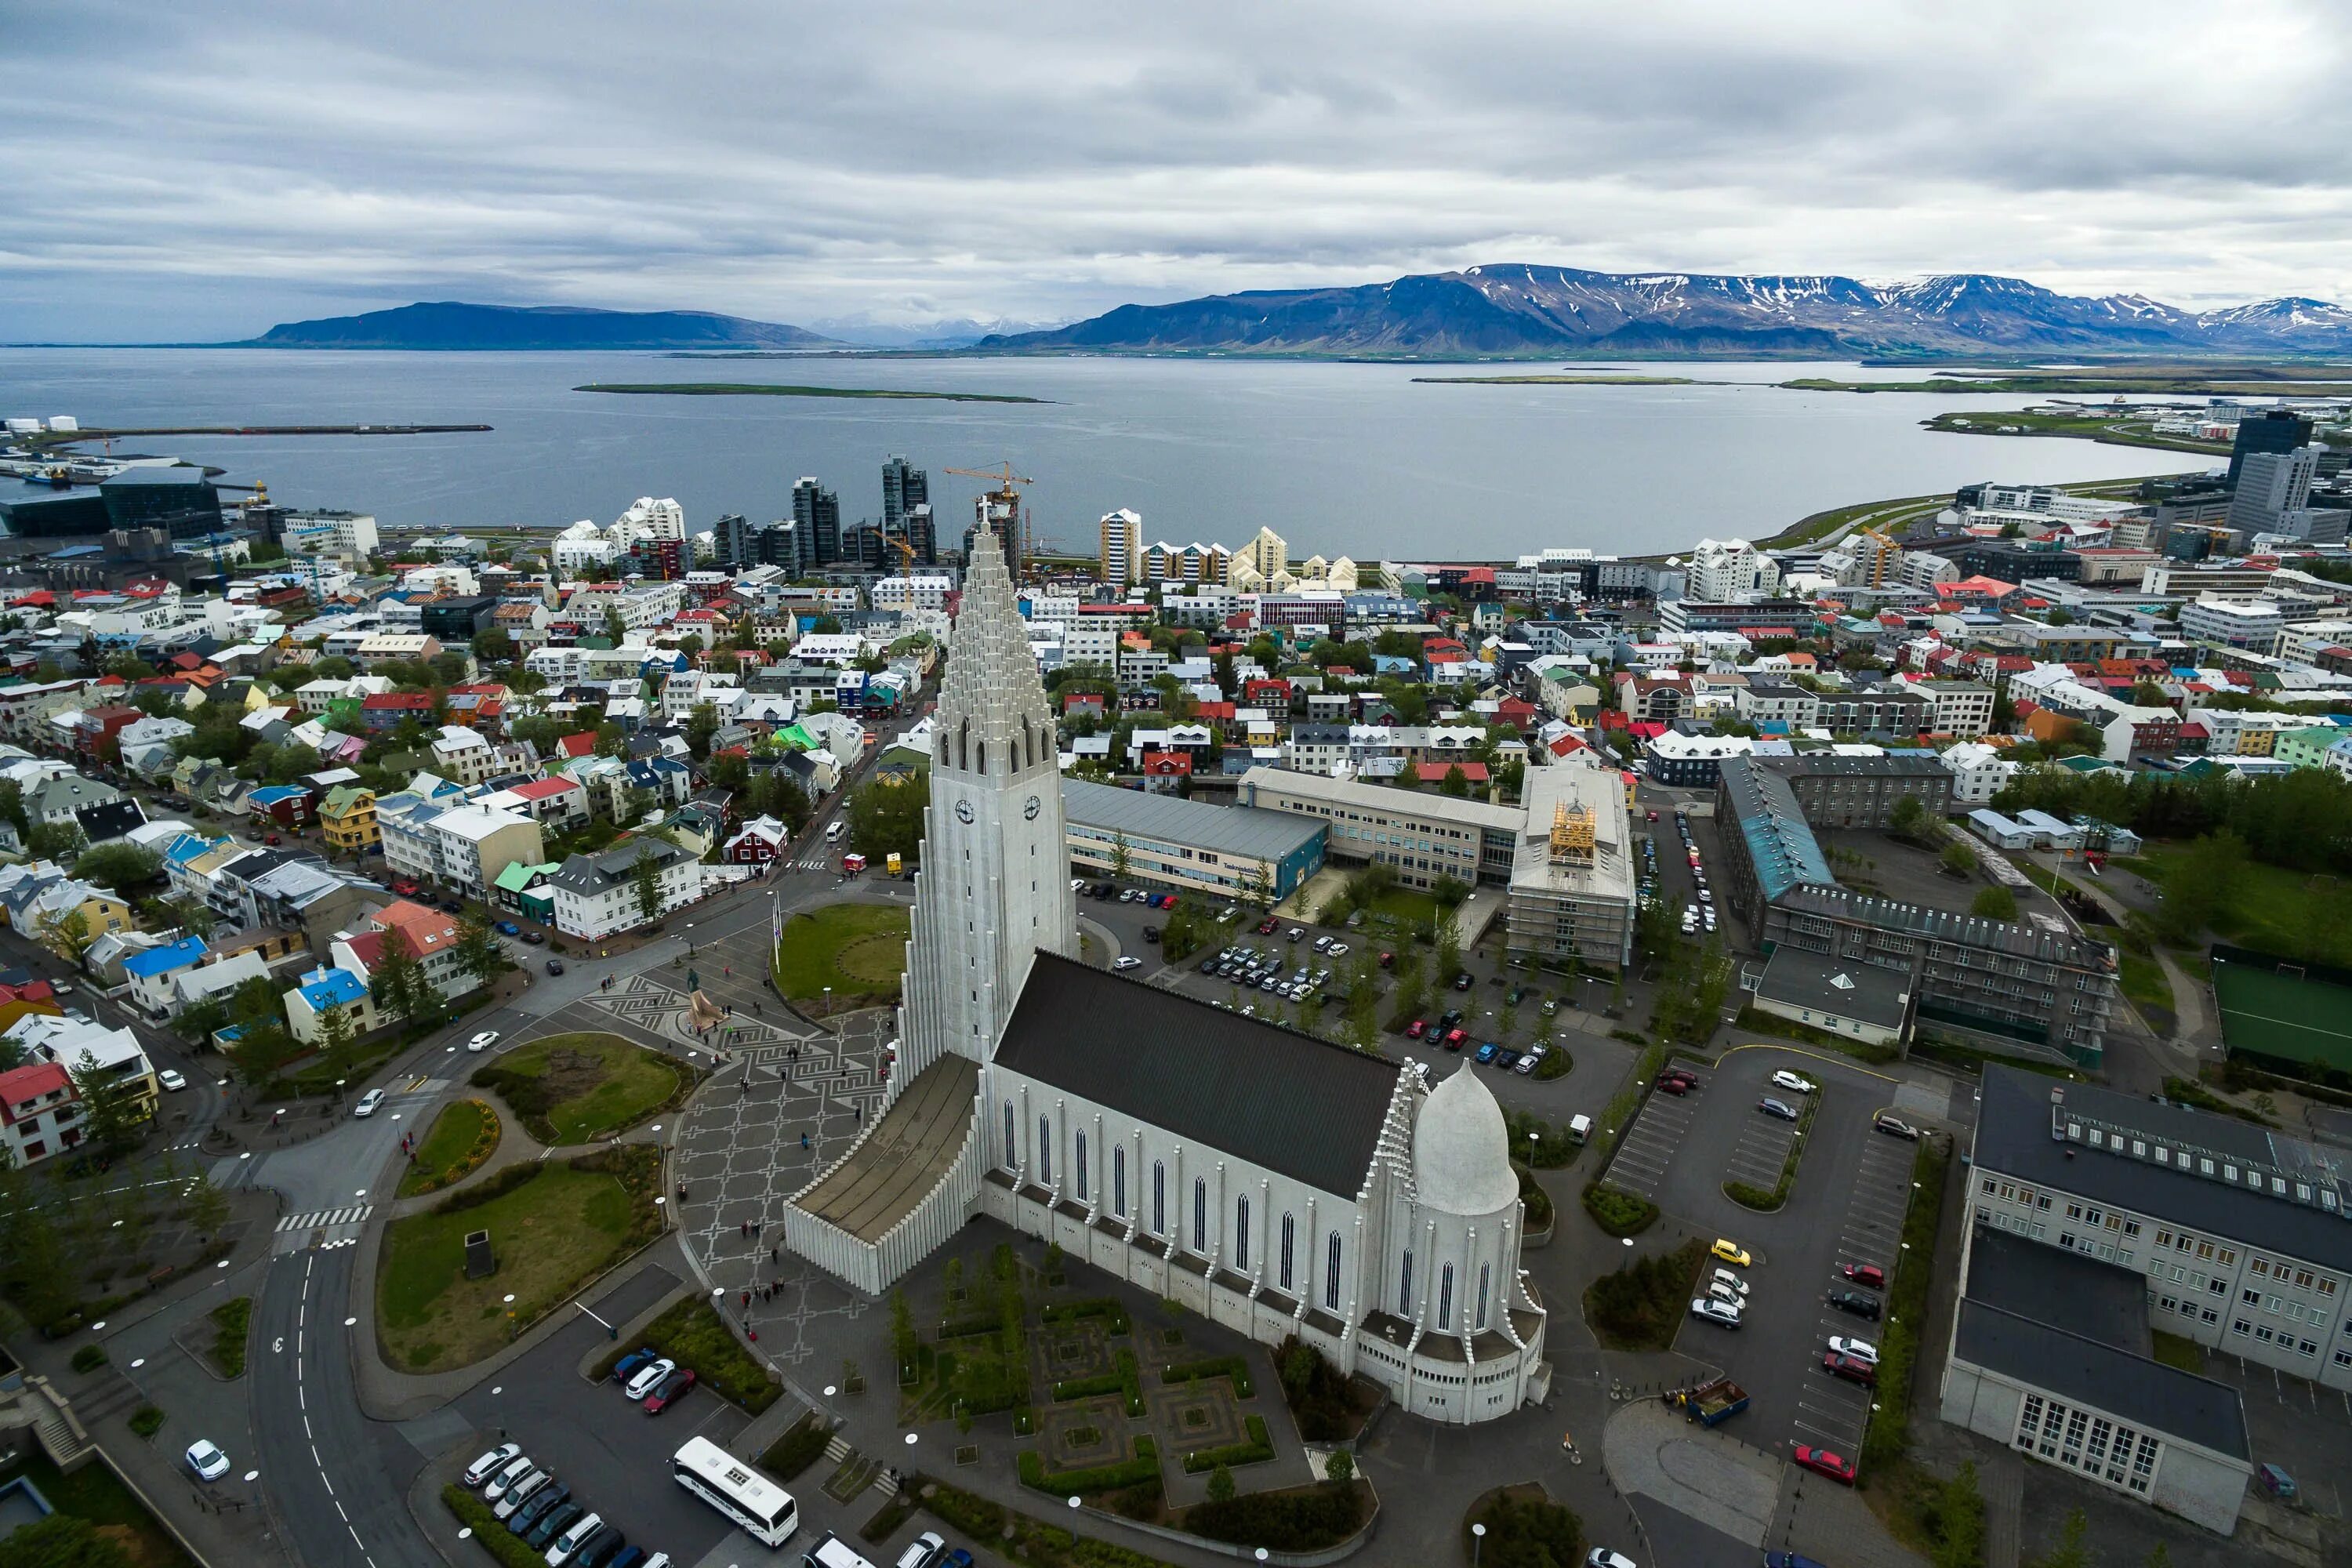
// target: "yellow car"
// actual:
[[1731, 1252]]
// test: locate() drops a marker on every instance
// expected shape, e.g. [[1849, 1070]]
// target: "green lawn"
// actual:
[[571, 1089], [2146, 988], [2292, 913], [93, 1493], [857, 949], [555, 1227], [463, 1136]]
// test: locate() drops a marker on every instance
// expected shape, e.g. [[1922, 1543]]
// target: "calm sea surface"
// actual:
[[1338, 458]]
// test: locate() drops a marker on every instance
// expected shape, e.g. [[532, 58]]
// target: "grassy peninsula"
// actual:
[[756, 389], [1561, 381]]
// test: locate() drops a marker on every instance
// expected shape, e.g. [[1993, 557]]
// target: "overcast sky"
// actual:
[[198, 171]]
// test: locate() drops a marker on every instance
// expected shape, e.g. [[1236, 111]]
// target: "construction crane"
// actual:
[[1006, 497]]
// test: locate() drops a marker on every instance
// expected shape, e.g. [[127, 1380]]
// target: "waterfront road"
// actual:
[[335, 1478]]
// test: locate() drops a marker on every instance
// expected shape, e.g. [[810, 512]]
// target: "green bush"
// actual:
[[1557, 1064], [800, 1446], [1750, 1197], [1531, 1193], [499, 1186], [89, 1358], [1142, 1468], [1618, 1212], [231, 1320], [1019, 1537], [1256, 1451], [1302, 1519], [1540, 1144], [1641, 1305], [1319, 1398], [691, 1334], [1088, 1387], [1521, 1531], [1888, 1435], [147, 1420], [490, 1531], [1232, 1366], [1095, 1307]]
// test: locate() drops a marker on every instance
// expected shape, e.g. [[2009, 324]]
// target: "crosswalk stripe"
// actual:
[[322, 1219]]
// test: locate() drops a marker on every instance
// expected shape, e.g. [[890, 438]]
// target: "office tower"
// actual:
[[1122, 548], [2278, 430], [816, 514], [731, 542], [2270, 484]]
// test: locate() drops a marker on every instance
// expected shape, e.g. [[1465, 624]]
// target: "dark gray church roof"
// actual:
[[1276, 1097]]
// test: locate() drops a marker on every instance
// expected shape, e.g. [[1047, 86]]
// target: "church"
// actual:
[[1268, 1180]]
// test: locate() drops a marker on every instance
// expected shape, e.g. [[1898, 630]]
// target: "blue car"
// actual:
[[627, 1366], [508, 928], [1485, 1053]]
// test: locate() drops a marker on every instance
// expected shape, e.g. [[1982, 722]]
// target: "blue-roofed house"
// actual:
[[149, 972], [323, 991]]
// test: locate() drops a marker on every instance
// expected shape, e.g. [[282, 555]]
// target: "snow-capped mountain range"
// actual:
[[1520, 310]]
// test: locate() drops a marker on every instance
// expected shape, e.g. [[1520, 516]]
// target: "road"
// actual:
[[335, 1478]]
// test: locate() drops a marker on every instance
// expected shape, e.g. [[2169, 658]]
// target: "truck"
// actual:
[[1710, 1403], [852, 864], [895, 862]]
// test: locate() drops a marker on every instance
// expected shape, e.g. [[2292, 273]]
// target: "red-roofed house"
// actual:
[[1435, 773], [580, 745], [558, 803], [1164, 773], [385, 710], [432, 937], [1268, 692], [1089, 703], [40, 1114], [1515, 711]]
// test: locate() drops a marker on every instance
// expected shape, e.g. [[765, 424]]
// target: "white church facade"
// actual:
[[1271, 1181]]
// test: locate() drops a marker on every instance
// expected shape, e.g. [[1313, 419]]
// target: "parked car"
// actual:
[[1869, 1274], [648, 1378], [1506, 1058], [1602, 1557], [205, 1459], [1706, 1308], [1731, 1252], [1485, 1053], [1530, 1058], [636, 1361], [368, 1103], [1457, 1038], [520, 1492], [544, 1501], [1725, 1294], [1857, 1303], [515, 1470], [554, 1523], [1793, 1082], [1151, 933], [1792, 1559], [1730, 1281], [171, 1079], [1417, 1028], [1267, 928], [508, 928], [1462, 982], [669, 1391], [1675, 1083], [1887, 1121], [491, 1463], [1854, 1369], [566, 1546], [1860, 1350], [1779, 1107], [922, 1552], [1823, 1462], [1127, 960], [533, 939]]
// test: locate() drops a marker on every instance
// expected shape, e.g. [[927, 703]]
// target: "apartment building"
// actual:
[[378, 648], [1729, 570], [1121, 556], [2254, 625], [472, 844], [1962, 708], [1423, 837], [1774, 702], [596, 895]]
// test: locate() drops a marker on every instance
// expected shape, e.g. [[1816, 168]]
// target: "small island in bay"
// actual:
[[1558, 380], [756, 389]]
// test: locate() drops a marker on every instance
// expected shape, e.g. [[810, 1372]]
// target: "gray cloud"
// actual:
[[189, 171]]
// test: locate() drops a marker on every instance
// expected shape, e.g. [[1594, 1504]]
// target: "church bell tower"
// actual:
[[994, 884]]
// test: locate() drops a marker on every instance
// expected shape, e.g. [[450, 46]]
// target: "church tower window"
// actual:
[[1012, 1143], [1331, 1274], [1404, 1288], [1201, 1214], [1290, 1231], [1045, 1149], [1118, 1182], [1078, 1167], [1158, 1198], [1445, 1297], [1241, 1232], [1482, 1271]]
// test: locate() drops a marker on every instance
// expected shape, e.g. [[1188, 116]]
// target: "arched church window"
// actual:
[[1289, 1232], [1482, 1271], [1404, 1288], [1118, 1182], [1078, 1168], [1446, 1296], [1201, 1213], [1331, 1273], [1241, 1232], [979, 755], [1045, 1149], [1158, 1198], [1012, 1143]]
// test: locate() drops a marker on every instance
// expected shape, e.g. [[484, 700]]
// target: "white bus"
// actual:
[[835, 829], [765, 1510]]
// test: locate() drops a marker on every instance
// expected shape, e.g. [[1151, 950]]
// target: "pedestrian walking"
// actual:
[[747, 1299], [772, 1257], [755, 1230]]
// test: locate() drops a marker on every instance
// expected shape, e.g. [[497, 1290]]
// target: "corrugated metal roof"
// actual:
[[1279, 1099]]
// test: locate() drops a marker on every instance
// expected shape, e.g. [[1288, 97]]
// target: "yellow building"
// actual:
[[347, 816]]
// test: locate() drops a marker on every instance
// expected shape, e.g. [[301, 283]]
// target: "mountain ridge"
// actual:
[[1521, 308], [450, 325]]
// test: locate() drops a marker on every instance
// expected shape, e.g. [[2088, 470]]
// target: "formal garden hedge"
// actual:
[[1232, 1366], [1105, 1307], [1126, 1383], [1256, 1451], [1143, 1467], [1617, 1211], [1301, 1518]]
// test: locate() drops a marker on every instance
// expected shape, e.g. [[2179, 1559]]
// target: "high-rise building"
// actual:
[[904, 487], [2278, 430], [816, 512], [996, 524], [1122, 547], [2270, 485], [731, 542]]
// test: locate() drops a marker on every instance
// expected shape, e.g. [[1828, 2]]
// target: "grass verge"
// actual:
[[231, 1320], [692, 1334], [572, 1088], [1888, 1437], [802, 1444], [464, 1135], [1018, 1538], [1768, 1200], [554, 1227]]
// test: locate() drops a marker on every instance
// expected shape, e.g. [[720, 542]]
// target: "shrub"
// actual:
[[231, 1320], [800, 1446], [1888, 1434], [1302, 1519], [1317, 1394], [89, 1358], [1618, 1212], [1232, 1366], [1520, 1530], [147, 1420], [1096, 1307], [1641, 1305], [693, 1335], [1557, 1064], [498, 1186], [1538, 1142], [490, 1531], [1531, 1193], [1258, 1450], [1142, 1468]]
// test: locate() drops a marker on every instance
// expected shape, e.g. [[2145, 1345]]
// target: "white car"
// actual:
[[170, 1079], [368, 1103], [1794, 1084], [1718, 1290], [573, 1539], [1127, 960], [1709, 1310], [520, 1492], [205, 1459], [649, 1377], [1602, 1557], [491, 1463], [483, 1041], [1860, 1350], [515, 1469], [1725, 1276], [920, 1549]]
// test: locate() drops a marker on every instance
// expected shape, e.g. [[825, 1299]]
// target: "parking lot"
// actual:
[[1647, 1150]]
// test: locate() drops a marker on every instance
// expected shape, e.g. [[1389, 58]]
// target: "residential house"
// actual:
[[323, 992], [149, 974], [474, 842], [1978, 773], [54, 800], [432, 937], [461, 755], [40, 1113], [347, 816], [597, 895], [558, 805], [288, 807], [757, 842], [524, 890], [83, 1047]]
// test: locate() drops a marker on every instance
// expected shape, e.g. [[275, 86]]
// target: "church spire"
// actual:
[[993, 887]]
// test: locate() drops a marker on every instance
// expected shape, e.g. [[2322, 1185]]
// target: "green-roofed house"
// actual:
[[797, 738], [2306, 748], [524, 888]]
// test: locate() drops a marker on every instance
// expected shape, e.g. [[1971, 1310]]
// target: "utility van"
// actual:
[[1579, 1128]]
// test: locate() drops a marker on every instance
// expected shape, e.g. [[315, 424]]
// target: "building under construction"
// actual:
[[999, 512], [1573, 880]]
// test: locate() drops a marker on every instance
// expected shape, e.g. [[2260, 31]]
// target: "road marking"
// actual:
[[324, 1219]]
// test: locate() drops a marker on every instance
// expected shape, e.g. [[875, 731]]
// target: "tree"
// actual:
[[399, 986], [1339, 1469], [1909, 816], [194, 916], [67, 935], [887, 814], [336, 1029], [1958, 858], [903, 1343], [1995, 903], [53, 840], [1455, 783], [2201, 885], [494, 645], [1119, 856], [1221, 1485], [2071, 1551], [112, 1116], [645, 873], [1449, 948], [64, 1540], [700, 725], [477, 950], [118, 864]]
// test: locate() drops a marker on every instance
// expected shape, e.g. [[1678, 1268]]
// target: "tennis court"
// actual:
[[2276, 1007]]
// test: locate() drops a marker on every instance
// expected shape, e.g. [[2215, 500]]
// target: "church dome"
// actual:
[[1461, 1149]]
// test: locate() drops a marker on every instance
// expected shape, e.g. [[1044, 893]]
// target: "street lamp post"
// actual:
[[1477, 1541]]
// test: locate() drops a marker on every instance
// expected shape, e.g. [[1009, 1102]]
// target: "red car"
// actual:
[[1672, 1085], [403, 885], [1869, 1274], [1455, 1038], [1415, 1029], [1266, 927], [1388, 960], [669, 1390], [1822, 1462], [1851, 1368]]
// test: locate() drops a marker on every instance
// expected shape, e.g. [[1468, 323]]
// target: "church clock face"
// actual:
[[1030, 807], [963, 811]]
